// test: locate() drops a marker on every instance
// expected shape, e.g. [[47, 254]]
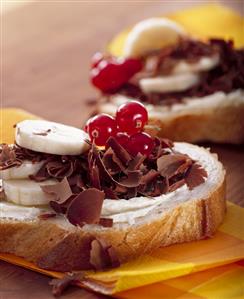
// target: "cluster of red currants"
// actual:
[[126, 128], [109, 73]]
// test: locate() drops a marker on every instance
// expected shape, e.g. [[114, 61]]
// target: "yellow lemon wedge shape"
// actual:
[[152, 34]]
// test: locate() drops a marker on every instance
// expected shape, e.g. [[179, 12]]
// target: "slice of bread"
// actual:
[[181, 216], [217, 118]]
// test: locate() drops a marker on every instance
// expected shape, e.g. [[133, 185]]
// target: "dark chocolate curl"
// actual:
[[195, 176], [86, 207], [8, 157], [61, 190], [102, 255], [59, 285], [119, 151], [168, 165]]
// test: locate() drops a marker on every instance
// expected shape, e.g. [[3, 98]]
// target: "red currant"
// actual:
[[110, 74], [100, 128], [132, 66], [107, 77], [131, 117], [141, 143], [96, 58], [122, 138]]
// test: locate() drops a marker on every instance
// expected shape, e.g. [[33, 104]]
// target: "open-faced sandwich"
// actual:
[[193, 89], [73, 200]]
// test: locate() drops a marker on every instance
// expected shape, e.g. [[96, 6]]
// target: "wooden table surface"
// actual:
[[46, 48]]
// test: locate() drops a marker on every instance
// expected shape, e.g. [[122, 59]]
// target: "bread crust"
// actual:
[[224, 125], [54, 247]]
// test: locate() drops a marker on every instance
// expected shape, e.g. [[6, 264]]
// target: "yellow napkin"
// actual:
[[172, 266], [211, 20], [8, 118]]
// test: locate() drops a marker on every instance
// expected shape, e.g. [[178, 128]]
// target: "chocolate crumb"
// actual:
[[59, 285], [44, 133], [46, 216], [103, 255], [106, 222]]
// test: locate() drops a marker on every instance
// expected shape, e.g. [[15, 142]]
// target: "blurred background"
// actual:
[[47, 46]]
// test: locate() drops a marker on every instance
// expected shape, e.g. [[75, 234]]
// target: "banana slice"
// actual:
[[50, 137], [202, 65], [23, 171], [27, 192], [152, 34], [172, 83]]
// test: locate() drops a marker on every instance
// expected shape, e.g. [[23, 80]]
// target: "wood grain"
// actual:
[[46, 51]]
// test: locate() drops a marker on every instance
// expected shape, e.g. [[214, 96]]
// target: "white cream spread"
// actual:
[[12, 211], [127, 211]]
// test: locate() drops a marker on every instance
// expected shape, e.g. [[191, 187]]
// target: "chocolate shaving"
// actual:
[[136, 162], [14, 155], [8, 157], [195, 176], [119, 151], [86, 207], [170, 165], [59, 285], [76, 183], [109, 162], [132, 180], [58, 208], [94, 177], [58, 169], [46, 216], [44, 133], [61, 191], [2, 194], [102, 255], [110, 194], [41, 175], [149, 176], [106, 222], [176, 185]]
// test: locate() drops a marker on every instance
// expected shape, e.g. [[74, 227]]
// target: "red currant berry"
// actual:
[[107, 77], [132, 66], [131, 117], [96, 59], [110, 74], [100, 128], [122, 138], [141, 143]]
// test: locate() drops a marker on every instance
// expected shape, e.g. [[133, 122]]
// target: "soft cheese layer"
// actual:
[[12, 211]]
